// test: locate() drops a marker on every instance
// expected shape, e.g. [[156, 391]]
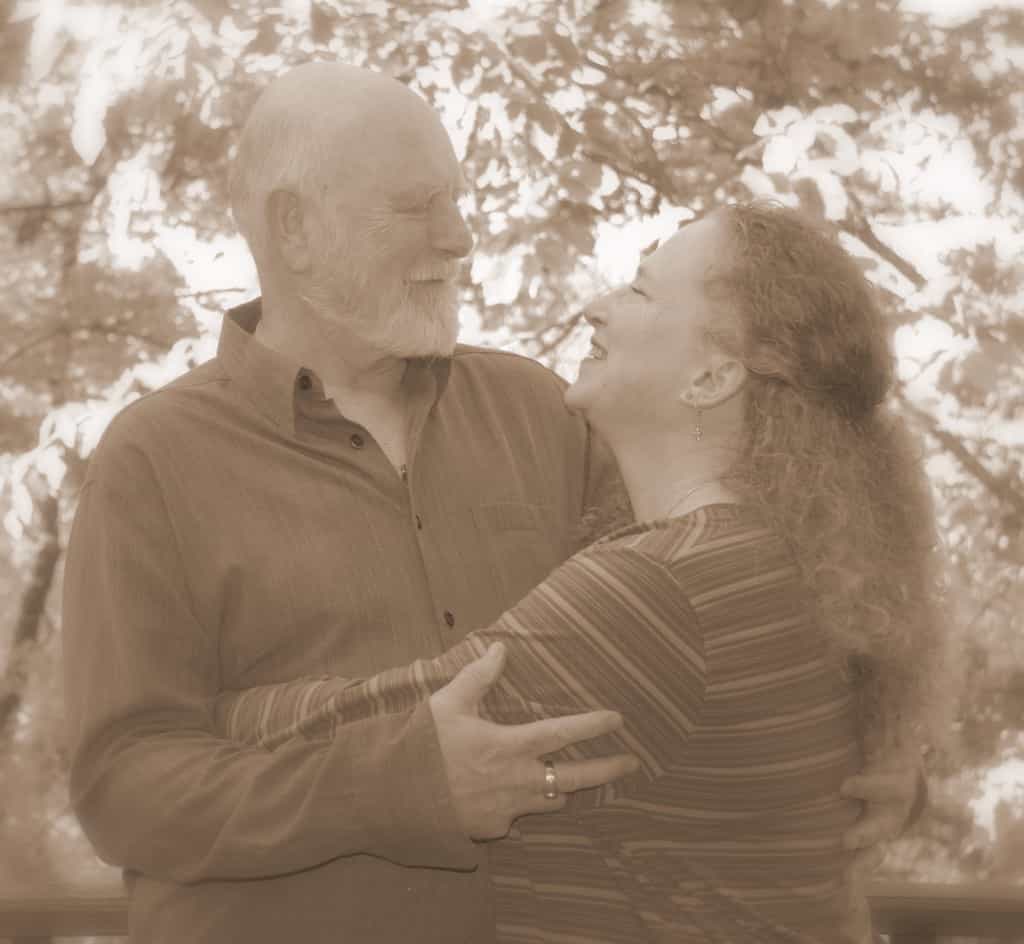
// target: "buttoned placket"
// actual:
[[358, 440]]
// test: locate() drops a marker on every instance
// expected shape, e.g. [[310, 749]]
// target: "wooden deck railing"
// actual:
[[909, 913]]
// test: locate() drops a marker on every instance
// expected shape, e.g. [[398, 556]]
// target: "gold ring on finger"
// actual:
[[551, 791]]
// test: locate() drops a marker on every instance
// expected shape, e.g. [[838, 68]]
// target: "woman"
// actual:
[[768, 620]]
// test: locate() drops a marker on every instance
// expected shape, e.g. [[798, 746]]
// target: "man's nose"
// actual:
[[451, 234]]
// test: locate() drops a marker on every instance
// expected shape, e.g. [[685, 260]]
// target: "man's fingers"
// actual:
[[866, 862], [553, 734], [465, 691], [573, 775], [871, 831]]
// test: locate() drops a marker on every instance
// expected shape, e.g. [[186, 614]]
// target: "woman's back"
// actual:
[[743, 812]]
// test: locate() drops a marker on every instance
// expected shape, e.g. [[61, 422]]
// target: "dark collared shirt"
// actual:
[[236, 530]]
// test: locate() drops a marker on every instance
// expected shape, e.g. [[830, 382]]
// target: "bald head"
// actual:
[[323, 121], [335, 97]]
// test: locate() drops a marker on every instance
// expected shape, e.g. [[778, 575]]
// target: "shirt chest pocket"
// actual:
[[523, 542]]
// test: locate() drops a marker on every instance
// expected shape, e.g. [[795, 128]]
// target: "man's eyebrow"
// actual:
[[416, 194]]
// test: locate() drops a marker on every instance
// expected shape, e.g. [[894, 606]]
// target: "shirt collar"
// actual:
[[273, 382]]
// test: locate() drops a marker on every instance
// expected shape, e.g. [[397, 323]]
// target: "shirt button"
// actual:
[[419, 523], [449, 617], [305, 382], [357, 441]]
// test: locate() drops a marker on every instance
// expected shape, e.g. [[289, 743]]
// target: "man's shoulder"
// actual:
[[506, 364], [511, 384], [144, 423]]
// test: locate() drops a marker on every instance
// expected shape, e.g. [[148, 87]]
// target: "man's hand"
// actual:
[[495, 771], [888, 788]]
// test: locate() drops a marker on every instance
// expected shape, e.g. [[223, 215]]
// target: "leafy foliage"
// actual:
[[119, 123]]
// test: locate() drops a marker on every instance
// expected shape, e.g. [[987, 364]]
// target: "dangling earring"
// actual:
[[698, 430]]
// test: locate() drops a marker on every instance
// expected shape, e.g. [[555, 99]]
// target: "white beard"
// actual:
[[420, 327], [401, 326]]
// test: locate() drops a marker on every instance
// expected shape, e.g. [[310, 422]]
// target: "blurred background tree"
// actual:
[[588, 128]]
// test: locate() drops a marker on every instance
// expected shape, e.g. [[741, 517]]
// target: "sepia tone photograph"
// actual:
[[491, 472]]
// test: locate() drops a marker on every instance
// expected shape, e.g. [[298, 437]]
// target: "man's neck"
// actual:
[[346, 367]]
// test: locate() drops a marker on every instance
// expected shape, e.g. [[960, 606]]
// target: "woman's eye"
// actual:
[[633, 288]]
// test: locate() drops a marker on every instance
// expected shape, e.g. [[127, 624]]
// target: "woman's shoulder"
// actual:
[[708, 529], [715, 545]]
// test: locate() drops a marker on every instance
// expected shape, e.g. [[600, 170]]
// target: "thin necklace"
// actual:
[[711, 480]]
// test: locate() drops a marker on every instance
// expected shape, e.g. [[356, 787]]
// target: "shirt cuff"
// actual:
[[426, 831]]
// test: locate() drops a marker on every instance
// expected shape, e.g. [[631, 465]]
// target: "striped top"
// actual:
[[698, 631]]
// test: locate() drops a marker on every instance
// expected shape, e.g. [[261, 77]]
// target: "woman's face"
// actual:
[[648, 344]]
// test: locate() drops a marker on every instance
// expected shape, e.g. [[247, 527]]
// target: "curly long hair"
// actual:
[[832, 467]]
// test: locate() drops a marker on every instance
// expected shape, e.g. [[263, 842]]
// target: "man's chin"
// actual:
[[419, 332], [438, 346], [430, 352]]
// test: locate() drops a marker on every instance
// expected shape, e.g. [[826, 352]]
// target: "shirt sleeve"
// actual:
[[609, 629], [154, 787]]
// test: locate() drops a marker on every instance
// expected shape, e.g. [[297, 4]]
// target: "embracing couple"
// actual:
[[347, 602]]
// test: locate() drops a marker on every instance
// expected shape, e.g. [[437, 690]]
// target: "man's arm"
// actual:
[[155, 789], [607, 628], [158, 791]]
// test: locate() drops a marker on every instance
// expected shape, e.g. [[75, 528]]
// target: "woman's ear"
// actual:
[[287, 227], [720, 380]]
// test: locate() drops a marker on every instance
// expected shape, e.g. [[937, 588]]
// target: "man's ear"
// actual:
[[288, 229], [720, 380]]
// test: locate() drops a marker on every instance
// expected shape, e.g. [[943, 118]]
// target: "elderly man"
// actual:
[[341, 489]]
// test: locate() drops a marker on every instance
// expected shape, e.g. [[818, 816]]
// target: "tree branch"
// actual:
[[1001, 488], [28, 345], [210, 291], [46, 207], [601, 157], [122, 333], [67, 330], [861, 229], [33, 606], [654, 175], [565, 328]]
